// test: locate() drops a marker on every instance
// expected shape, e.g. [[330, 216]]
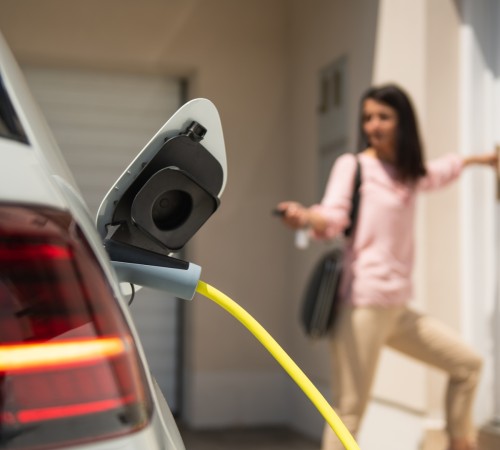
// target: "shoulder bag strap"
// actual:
[[356, 196]]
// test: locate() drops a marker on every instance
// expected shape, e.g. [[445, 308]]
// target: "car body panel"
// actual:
[[35, 173], [32, 184], [37, 130]]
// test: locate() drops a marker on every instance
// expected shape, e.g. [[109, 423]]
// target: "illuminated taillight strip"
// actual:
[[47, 354], [59, 412], [24, 252]]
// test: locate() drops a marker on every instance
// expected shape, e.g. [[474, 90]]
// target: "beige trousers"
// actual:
[[356, 345]]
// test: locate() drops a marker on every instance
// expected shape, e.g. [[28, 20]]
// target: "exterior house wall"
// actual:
[[442, 227]]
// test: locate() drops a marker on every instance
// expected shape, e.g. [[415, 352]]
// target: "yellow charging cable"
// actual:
[[285, 361]]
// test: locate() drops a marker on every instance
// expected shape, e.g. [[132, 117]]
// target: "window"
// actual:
[[10, 127]]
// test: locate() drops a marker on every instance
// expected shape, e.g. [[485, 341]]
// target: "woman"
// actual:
[[376, 284]]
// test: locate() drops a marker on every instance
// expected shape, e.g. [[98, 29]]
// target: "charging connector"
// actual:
[[150, 269], [178, 282]]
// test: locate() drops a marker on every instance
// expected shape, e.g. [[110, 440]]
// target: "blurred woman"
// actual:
[[376, 284]]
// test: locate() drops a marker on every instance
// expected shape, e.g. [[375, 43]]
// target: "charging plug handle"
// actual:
[[142, 267]]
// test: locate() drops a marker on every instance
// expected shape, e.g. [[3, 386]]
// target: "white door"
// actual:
[[101, 121], [480, 128]]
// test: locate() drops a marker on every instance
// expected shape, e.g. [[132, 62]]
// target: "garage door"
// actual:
[[101, 121]]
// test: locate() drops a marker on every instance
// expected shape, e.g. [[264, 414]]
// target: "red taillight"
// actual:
[[69, 371]]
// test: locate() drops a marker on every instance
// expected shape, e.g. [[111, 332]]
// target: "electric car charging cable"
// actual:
[[283, 359]]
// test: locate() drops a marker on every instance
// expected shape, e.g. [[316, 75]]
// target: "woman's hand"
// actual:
[[294, 214], [485, 159]]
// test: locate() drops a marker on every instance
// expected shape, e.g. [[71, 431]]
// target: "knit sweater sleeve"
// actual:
[[441, 171], [335, 206]]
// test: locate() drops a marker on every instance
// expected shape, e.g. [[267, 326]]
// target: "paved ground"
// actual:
[[246, 439], [283, 439]]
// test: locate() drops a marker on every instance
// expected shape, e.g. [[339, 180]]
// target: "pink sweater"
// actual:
[[379, 260]]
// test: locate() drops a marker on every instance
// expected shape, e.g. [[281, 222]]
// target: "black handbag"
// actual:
[[321, 302]]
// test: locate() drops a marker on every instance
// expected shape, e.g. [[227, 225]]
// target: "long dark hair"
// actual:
[[409, 158]]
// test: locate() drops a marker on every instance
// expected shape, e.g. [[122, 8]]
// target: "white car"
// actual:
[[72, 370]]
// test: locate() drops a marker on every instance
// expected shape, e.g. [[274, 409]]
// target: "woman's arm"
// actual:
[[297, 216], [447, 168], [329, 218], [485, 159]]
